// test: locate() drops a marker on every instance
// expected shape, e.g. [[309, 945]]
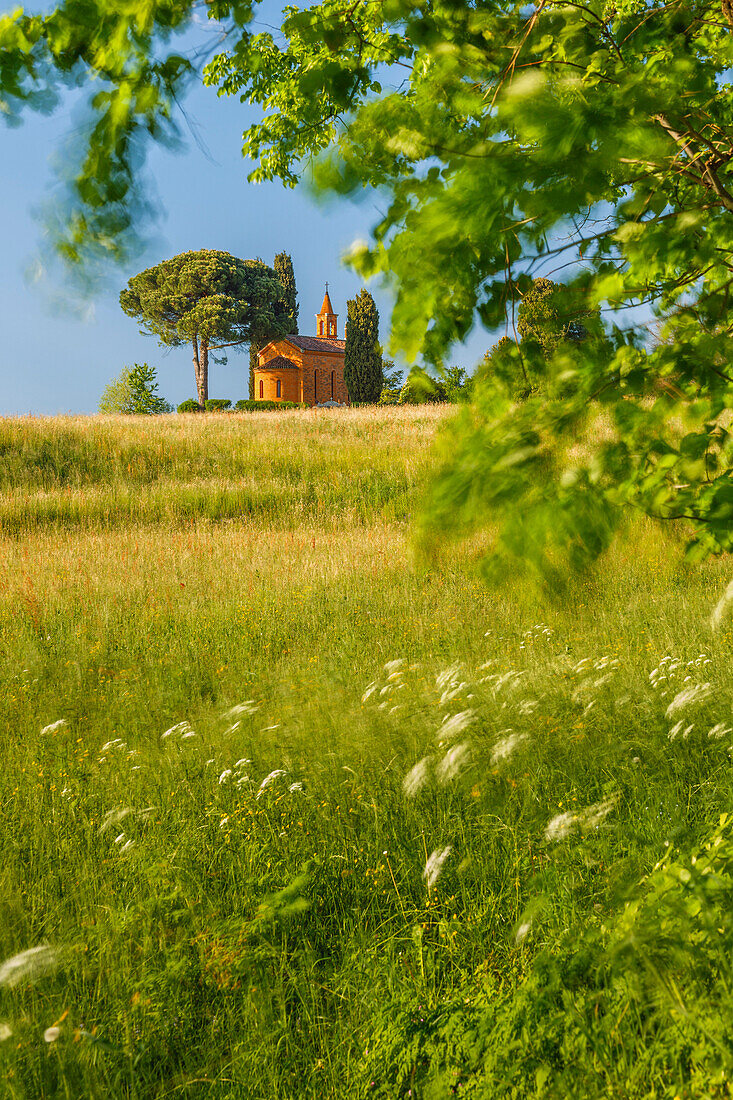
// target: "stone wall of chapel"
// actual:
[[289, 385], [317, 389]]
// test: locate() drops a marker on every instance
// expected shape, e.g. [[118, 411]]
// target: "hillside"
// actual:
[[301, 814]]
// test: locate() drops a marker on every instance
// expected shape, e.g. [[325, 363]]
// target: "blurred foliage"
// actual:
[[548, 315], [642, 996], [134, 391]]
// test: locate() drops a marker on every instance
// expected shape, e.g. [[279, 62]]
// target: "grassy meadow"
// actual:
[[289, 812]]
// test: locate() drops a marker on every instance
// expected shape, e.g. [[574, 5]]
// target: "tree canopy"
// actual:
[[513, 142], [209, 299]]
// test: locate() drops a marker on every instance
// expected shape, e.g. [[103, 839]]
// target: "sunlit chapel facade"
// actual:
[[308, 369]]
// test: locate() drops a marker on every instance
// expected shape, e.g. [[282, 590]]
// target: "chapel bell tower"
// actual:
[[327, 320]]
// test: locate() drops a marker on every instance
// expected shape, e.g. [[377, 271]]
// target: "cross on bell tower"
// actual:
[[327, 320]]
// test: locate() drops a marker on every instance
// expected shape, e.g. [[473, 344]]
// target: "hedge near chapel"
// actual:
[[309, 369]]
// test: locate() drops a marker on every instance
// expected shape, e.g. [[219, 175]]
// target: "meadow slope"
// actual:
[[288, 812]]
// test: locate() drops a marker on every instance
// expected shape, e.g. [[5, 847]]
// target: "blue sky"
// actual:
[[57, 358]]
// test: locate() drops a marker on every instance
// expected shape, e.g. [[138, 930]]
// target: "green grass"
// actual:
[[214, 939]]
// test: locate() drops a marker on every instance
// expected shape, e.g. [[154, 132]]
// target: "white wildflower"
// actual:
[[510, 680], [450, 693], [51, 1034], [247, 707], [523, 931], [180, 728], [454, 761], [593, 815], [718, 731], [5, 1032], [276, 774], [434, 865], [721, 606], [559, 827], [113, 817], [28, 965], [454, 724], [417, 777], [116, 742], [677, 729], [225, 775], [371, 688], [242, 762], [690, 696], [503, 749], [295, 787], [449, 676], [57, 725]]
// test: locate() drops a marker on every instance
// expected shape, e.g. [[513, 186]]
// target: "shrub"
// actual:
[[134, 391], [217, 404], [420, 388], [190, 405], [250, 405]]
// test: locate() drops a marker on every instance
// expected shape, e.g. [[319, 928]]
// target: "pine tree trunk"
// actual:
[[201, 368], [204, 385]]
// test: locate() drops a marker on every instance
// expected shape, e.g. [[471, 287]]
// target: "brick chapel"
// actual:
[[308, 369]]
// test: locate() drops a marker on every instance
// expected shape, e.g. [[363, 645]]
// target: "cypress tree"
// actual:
[[283, 268], [362, 355]]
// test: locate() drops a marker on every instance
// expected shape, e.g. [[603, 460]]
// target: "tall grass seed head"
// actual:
[[29, 965]]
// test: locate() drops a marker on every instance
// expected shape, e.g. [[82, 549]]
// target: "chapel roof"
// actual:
[[317, 343], [280, 362]]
